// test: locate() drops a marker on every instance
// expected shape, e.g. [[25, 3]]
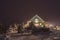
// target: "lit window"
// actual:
[[40, 23], [36, 20]]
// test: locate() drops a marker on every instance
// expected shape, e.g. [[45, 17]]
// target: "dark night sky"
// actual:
[[18, 11]]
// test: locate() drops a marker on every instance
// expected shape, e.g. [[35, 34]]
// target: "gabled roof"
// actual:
[[36, 16]]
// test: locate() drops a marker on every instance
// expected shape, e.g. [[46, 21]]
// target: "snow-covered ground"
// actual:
[[34, 37], [51, 36]]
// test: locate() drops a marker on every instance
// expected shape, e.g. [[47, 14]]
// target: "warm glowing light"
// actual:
[[36, 21], [50, 25], [40, 23], [36, 25], [58, 28]]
